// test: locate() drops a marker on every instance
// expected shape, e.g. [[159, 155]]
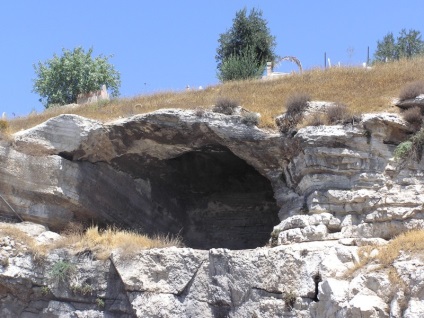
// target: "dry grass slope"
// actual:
[[360, 89]]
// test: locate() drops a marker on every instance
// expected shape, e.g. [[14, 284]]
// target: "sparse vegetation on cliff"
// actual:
[[103, 241]]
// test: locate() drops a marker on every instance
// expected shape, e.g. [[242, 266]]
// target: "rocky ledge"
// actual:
[[315, 195]]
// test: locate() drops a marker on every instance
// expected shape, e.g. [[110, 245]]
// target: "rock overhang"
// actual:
[[305, 174]]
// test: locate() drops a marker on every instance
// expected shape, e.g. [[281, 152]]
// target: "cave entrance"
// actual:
[[224, 202]]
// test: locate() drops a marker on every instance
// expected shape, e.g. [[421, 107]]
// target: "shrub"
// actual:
[[413, 116], [418, 144], [199, 112], [403, 150], [411, 90], [225, 106], [290, 299], [250, 119], [338, 113], [241, 67], [62, 270], [3, 125], [297, 103], [412, 148], [100, 302]]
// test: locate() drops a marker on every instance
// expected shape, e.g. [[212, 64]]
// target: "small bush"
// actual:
[[100, 303], [418, 144], [62, 270], [250, 119], [45, 291], [412, 148], [290, 299], [3, 125], [225, 106], [338, 113], [241, 67], [411, 90], [413, 116], [297, 103], [199, 112], [403, 150], [84, 289]]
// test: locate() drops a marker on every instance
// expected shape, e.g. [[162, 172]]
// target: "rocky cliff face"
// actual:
[[222, 185]]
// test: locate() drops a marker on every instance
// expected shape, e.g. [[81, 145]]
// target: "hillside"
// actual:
[[362, 90]]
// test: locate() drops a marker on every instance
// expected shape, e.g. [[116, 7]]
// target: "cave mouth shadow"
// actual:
[[224, 202]]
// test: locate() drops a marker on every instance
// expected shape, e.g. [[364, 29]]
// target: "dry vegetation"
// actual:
[[362, 90], [103, 241], [100, 242], [411, 242]]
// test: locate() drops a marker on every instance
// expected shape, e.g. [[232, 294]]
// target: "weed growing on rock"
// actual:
[[3, 125], [62, 270], [414, 117], [103, 241], [21, 240], [225, 106], [411, 90], [289, 299], [295, 105], [403, 150], [45, 291], [338, 113], [412, 148], [250, 119], [84, 289], [100, 303]]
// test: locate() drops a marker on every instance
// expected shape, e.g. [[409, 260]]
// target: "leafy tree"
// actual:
[[249, 33], [61, 79], [409, 43], [386, 49], [406, 45]]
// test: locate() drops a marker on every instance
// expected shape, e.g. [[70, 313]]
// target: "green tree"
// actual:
[[61, 79], [386, 49], [249, 33], [409, 43], [406, 45]]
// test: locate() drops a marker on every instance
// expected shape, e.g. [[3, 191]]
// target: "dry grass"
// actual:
[[38, 251], [100, 242], [411, 242], [408, 242], [411, 90], [363, 90], [103, 242]]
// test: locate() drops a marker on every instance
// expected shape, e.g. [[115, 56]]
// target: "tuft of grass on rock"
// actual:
[[103, 241], [225, 106]]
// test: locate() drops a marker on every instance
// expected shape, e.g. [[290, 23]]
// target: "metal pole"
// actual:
[[325, 60], [368, 56], [11, 208]]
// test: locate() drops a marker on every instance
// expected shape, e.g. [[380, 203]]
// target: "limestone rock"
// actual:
[[410, 103]]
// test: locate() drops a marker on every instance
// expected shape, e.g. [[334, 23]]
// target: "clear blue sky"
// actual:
[[165, 45]]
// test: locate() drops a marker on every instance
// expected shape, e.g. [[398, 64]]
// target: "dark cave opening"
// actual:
[[211, 197], [227, 203]]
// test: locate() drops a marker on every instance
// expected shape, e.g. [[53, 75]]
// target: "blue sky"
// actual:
[[165, 45]]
